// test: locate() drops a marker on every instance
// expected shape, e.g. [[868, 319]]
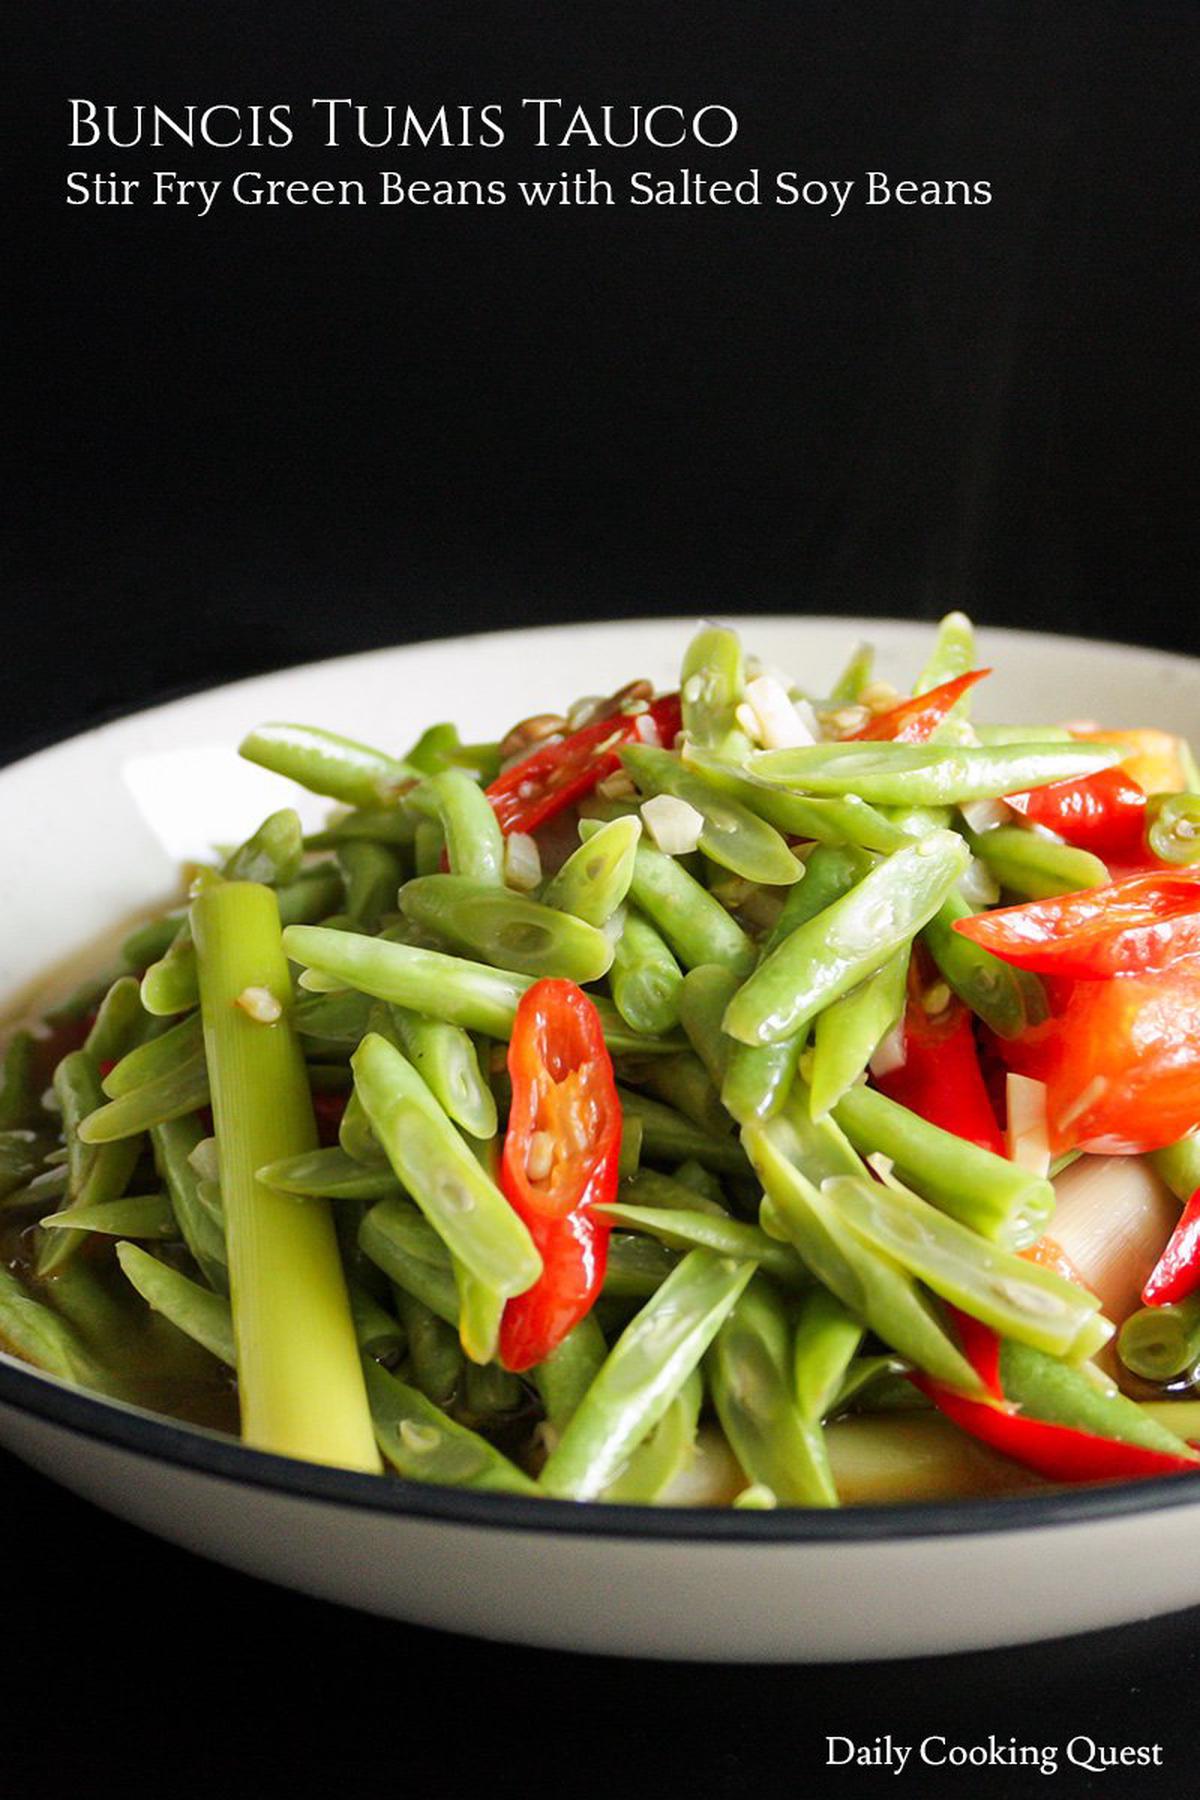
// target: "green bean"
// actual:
[[953, 653], [849, 1032], [50, 1185], [830, 873], [506, 929], [706, 992], [1158, 1342], [95, 1173], [691, 1230], [1181, 1417], [646, 981], [196, 1311], [158, 1056], [445, 1058], [563, 1377], [435, 1355], [335, 1018], [410, 1253], [1035, 867], [490, 1391], [440, 747], [330, 1174], [668, 1137], [994, 1197], [422, 1444], [22, 1154], [136, 1216], [474, 841], [35, 1332], [311, 897], [372, 874], [1173, 828], [877, 1383], [692, 1176], [992, 735], [630, 1155], [174, 1144], [444, 987], [1007, 1000], [855, 676], [636, 1267], [825, 1343], [272, 854], [668, 1193], [327, 764], [376, 1332], [146, 943], [833, 819], [1179, 1166], [357, 1139], [662, 1455], [711, 687], [793, 1157], [181, 1090], [20, 1103], [1017, 1298], [643, 1373], [480, 1306], [696, 926], [171, 985], [682, 1082], [929, 774], [749, 1368], [1052, 1390], [117, 1022], [759, 1078], [595, 878], [466, 1209], [378, 824], [823, 959], [732, 835], [300, 1384], [429, 847]]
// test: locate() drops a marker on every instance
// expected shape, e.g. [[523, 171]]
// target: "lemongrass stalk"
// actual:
[[300, 1379]]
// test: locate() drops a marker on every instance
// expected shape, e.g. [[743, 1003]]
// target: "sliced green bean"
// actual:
[[372, 874], [826, 1341], [174, 1144], [564, 1377], [434, 1352], [20, 1102], [1017, 1298], [823, 959], [480, 1310], [158, 1056], [646, 981], [474, 841], [689, 1186], [445, 1057], [96, 1172], [1158, 1342], [1023, 734], [136, 1216], [732, 835], [849, 1032], [272, 854], [332, 1175], [117, 1023], [376, 1332], [398, 1240], [313, 895], [682, 1082], [466, 1209], [196, 1311], [994, 1197], [691, 1230], [171, 985], [1179, 1166], [338, 1018], [1173, 828], [1007, 1000], [929, 774], [379, 824], [668, 1137], [830, 873], [705, 994], [146, 943], [35, 1332], [711, 687], [749, 1368], [506, 929], [637, 1266], [325, 763], [855, 676], [643, 1373], [422, 1444], [181, 1090], [833, 819], [696, 926], [1052, 1390], [953, 653], [595, 878], [664, 1454], [1035, 867]]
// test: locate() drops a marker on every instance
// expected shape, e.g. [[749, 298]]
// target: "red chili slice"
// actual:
[[1177, 1271], [1104, 813], [532, 791], [914, 721], [1136, 926]]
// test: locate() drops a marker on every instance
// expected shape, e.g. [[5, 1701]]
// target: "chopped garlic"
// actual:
[[881, 1164], [979, 886], [780, 726], [260, 1004], [1028, 1127], [522, 861], [673, 824], [890, 1053], [879, 696], [616, 786], [983, 815], [647, 731]]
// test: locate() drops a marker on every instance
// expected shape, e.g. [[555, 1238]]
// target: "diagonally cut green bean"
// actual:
[[563, 1377], [38, 1334], [696, 926], [118, 1022], [372, 874], [20, 1103], [705, 994], [595, 878], [690, 1230], [826, 1340], [272, 854], [1035, 867], [732, 835], [750, 1370], [664, 1454], [953, 653], [929, 774], [684, 1191], [668, 1137], [637, 1266], [1007, 1000], [643, 1372], [474, 842], [330, 1174], [855, 676], [174, 1143], [849, 1032], [1160, 1342], [445, 1058], [179, 1091], [682, 1082], [328, 764], [422, 1444], [834, 819], [197, 1311], [646, 981], [823, 959], [711, 688], [405, 1246], [434, 1353], [137, 1216], [158, 1056], [506, 929]]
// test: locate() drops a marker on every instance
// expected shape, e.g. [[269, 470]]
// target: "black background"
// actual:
[[271, 435]]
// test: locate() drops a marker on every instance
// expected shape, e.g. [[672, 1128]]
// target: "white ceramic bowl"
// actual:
[[93, 831]]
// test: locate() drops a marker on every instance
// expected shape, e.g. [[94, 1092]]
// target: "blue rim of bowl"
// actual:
[[158, 1438], [207, 1453]]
